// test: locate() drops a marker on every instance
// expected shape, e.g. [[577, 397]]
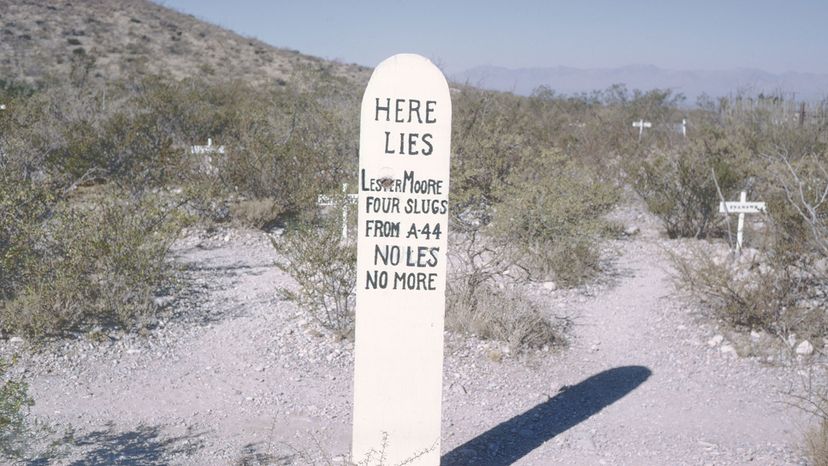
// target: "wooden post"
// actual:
[[404, 149]]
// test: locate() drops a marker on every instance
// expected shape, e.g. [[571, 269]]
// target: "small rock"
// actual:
[[805, 348], [728, 350], [162, 301], [755, 336], [631, 230], [15, 340], [551, 286], [715, 341], [791, 340]]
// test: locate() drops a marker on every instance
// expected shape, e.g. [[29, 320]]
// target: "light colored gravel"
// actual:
[[233, 374]]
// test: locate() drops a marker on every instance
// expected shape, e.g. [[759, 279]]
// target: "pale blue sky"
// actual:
[[775, 36]]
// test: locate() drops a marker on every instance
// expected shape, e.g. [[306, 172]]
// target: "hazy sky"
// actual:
[[775, 36]]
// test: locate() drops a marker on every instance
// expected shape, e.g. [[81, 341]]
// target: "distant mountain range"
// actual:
[[691, 83]]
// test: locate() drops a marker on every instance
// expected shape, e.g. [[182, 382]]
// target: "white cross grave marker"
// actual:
[[742, 207], [323, 200], [641, 124], [684, 127], [208, 149], [404, 149]]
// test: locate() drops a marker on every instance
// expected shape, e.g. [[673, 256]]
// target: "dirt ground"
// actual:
[[234, 375]]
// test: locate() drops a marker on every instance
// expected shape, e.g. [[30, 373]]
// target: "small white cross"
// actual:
[[742, 207], [641, 124], [208, 149], [684, 127], [325, 200]]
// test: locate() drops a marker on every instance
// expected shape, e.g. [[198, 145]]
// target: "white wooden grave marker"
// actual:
[[641, 124], [742, 207], [684, 127], [404, 149], [323, 200], [208, 149]]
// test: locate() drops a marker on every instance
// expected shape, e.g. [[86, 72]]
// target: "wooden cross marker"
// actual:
[[742, 207], [641, 124], [323, 200], [208, 149], [684, 127]]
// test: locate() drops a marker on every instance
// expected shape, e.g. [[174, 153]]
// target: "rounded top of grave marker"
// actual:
[[408, 71]]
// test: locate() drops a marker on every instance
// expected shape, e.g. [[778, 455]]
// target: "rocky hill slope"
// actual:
[[126, 38]]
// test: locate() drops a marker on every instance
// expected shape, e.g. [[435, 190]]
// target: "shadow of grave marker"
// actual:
[[518, 436]]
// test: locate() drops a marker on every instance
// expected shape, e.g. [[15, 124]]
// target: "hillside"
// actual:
[[133, 38]]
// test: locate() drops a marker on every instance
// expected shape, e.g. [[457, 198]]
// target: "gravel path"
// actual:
[[236, 376]]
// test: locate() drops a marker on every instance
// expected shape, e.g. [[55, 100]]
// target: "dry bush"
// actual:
[[256, 213], [484, 293], [505, 315], [754, 291], [324, 269]]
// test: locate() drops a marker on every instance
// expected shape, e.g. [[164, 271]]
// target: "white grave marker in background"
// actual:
[[742, 207], [2, 106], [208, 149], [641, 124], [404, 148], [326, 201]]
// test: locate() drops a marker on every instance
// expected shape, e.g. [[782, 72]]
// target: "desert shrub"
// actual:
[[680, 185], [755, 290], [484, 292], [24, 206], [551, 212], [505, 315], [290, 149], [324, 268], [96, 262], [256, 213], [14, 404]]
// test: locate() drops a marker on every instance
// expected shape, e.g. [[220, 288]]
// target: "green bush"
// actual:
[[552, 212], [14, 404], [93, 262], [679, 185]]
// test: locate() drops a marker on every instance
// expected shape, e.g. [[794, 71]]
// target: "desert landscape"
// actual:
[[616, 292]]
